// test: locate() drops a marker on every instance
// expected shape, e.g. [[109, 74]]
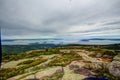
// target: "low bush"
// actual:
[[25, 62], [38, 68], [56, 76], [64, 59], [109, 52], [10, 57], [6, 73], [93, 54], [34, 63]]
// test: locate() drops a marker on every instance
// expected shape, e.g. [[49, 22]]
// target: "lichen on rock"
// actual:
[[114, 68]]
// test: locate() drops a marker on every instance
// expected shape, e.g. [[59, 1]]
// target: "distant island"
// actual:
[[62, 41]]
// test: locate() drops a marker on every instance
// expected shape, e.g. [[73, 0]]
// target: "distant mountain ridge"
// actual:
[[60, 41], [32, 39], [100, 39]]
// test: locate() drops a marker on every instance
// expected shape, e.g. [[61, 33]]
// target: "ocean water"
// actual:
[[58, 41]]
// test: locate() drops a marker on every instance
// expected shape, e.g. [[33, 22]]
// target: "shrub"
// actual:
[[56, 76], [6, 73], [33, 63], [25, 62], [38, 68], [109, 52], [93, 54], [64, 59]]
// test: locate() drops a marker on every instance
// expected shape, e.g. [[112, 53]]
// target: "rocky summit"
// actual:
[[62, 63]]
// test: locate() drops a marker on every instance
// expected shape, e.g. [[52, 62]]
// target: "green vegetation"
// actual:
[[6, 73], [38, 68], [93, 54], [10, 57], [110, 52], [15, 49], [34, 63], [10, 72], [64, 59], [56, 76], [103, 52], [26, 62]]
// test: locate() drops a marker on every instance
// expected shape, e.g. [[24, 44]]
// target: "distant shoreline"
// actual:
[[93, 41]]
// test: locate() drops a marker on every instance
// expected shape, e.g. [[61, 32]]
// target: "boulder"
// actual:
[[83, 71], [93, 66], [117, 58], [72, 67], [114, 68]]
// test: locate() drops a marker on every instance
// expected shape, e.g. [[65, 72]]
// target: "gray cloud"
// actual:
[[59, 18], [113, 23]]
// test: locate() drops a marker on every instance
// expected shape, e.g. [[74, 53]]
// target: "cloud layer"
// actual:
[[60, 18]]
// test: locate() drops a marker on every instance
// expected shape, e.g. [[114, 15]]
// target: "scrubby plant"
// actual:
[[6, 73], [64, 59], [109, 52], [38, 68], [56, 76], [10, 72], [93, 54], [34, 63], [35, 53], [25, 62]]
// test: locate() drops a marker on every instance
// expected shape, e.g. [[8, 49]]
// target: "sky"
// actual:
[[79, 19]]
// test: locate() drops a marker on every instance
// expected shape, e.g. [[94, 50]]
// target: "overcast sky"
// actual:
[[80, 19]]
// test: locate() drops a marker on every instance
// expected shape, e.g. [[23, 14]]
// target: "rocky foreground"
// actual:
[[63, 64]]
